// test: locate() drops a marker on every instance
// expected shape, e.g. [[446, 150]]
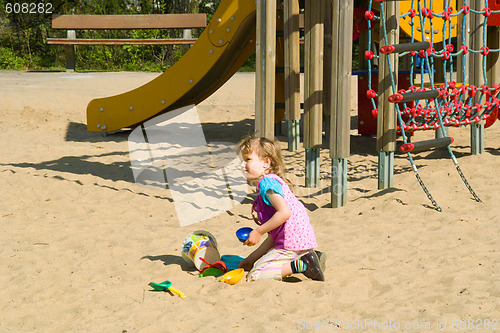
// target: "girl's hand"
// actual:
[[253, 238]]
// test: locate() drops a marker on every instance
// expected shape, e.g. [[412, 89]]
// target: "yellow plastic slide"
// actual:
[[221, 50]]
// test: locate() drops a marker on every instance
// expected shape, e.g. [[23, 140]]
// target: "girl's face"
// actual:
[[254, 167]]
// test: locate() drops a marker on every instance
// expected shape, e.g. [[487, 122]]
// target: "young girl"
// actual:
[[289, 247]]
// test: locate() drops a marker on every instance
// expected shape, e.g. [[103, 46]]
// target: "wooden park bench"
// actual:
[[123, 22]]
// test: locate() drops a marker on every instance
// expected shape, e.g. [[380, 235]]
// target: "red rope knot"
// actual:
[[395, 98], [465, 49], [466, 9], [426, 12], [368, 55], [446, 15], [485, 50], [449, 48], [486, 12], [468, 109], [478, 107], [472, 91], [422, 53], [386, 49], [375, 113], [369, 15], [485, 89], [371, 94], [446, 55], [412, 12], [452, 84]]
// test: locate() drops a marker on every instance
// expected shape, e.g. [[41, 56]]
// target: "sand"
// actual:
[[80, 240]]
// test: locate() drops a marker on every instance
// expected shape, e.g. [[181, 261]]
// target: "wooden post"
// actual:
[[292, 72], [265, 68], [476, 72], [386, 120], [327, 66], [340, 96], [313, 86]]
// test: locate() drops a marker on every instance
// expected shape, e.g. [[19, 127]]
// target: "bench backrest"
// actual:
[[153, 21]]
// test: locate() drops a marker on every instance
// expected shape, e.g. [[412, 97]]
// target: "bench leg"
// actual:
[[70, 52]]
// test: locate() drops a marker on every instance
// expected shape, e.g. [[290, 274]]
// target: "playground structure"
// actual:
[[467, 97], [453, 102], [239, 26]]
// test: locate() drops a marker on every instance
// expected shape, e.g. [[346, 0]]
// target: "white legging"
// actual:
[[269, 265]]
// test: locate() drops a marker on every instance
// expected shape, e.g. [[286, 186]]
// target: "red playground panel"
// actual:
[[494, 18], [367, 123]]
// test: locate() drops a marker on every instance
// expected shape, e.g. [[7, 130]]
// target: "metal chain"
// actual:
[[467, 183], [434, 203]]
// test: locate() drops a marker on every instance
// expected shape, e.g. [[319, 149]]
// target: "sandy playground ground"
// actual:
[[80, 240]]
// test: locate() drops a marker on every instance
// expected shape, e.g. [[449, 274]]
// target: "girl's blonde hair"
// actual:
[[265, 148]]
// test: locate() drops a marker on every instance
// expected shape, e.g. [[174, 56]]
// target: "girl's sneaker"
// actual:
[[313, 270]]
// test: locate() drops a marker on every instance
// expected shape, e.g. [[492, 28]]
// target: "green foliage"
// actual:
[[8, 60], [24, 34]]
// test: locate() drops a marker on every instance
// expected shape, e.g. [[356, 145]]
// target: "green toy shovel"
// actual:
[[167, 286]]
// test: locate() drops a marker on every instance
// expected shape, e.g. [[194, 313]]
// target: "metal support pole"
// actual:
[[70, 52], [477, 139], [339, 182], [293, 134], [385, 169], [312, 167]]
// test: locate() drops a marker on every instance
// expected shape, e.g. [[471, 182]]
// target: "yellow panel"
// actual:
[[437, 22], [142, 103]]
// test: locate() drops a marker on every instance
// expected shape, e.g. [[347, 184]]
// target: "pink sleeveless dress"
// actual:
[[296, 233]]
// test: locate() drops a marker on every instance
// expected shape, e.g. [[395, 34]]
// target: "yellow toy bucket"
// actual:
[[200, 244]]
